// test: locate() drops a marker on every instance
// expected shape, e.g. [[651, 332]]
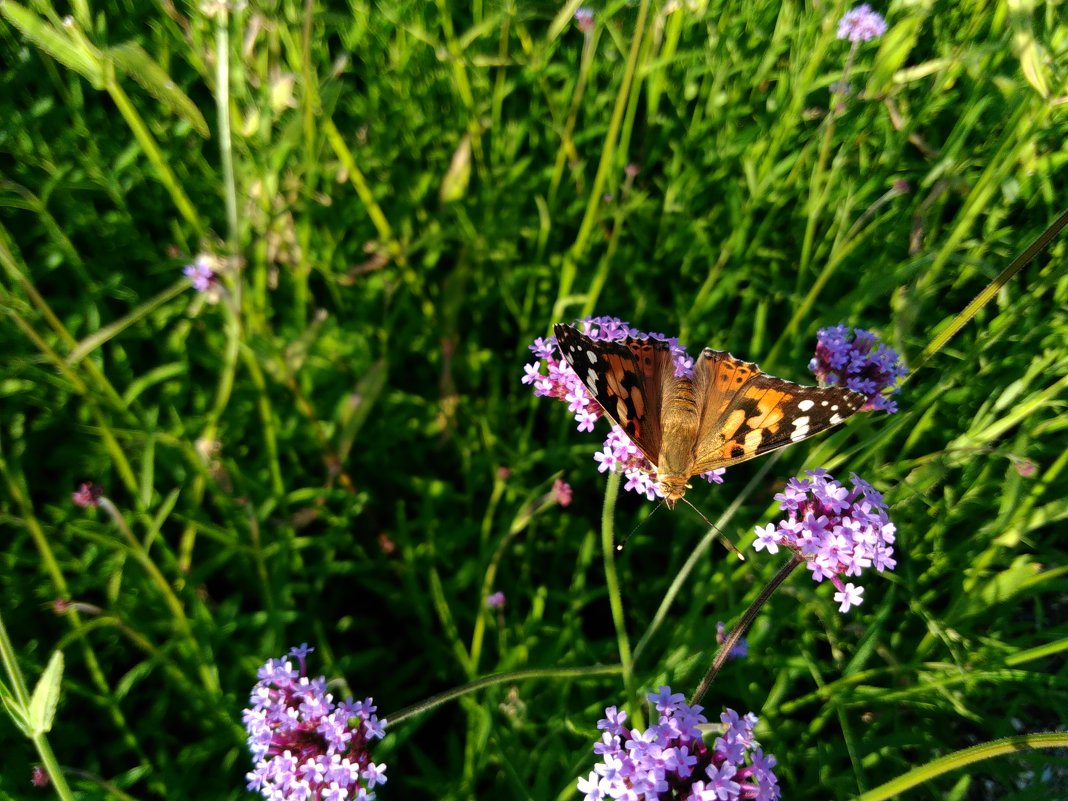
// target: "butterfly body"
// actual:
[[727, 412]]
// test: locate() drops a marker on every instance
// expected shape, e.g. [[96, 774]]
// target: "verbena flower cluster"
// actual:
[[861, 24], [303, 745], [838, 531], [201, 273], [670, 760], [855, 358], [619, 454]]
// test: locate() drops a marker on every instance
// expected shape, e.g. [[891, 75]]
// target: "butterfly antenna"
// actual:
[[730, 546], [639, 524]]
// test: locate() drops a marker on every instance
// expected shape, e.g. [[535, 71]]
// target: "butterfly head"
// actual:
[[673, 488]]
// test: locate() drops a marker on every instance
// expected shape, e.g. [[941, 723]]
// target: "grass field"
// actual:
[[388, 203]]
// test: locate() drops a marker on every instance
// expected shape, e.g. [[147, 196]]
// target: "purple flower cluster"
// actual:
[[861, 24], [670, 760], [619, 454], [856, 359], [201, 273], [838, 531], [303, 745]]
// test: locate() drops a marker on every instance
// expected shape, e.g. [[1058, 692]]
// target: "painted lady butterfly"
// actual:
[[730, 411]]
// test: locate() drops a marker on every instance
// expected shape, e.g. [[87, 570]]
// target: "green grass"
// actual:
[[406, 194]]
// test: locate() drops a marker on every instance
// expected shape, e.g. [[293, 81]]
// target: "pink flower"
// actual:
[[88, 494], [562, 492]]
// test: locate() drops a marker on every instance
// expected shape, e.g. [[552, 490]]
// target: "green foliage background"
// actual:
[[408, 194]]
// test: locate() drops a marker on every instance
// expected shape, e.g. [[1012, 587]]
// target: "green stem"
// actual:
[[500, 678], [990, 291], [222, 110], [152, 151], [567, 144], [59, 582], [713, 533], [615, 599], [22, 697], [223, 391], [816, 191], [207, 674], [13, 267], [52, 767], [742, 627], [959, 759], [608, 152]]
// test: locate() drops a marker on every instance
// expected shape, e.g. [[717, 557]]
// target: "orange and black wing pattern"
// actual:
[[627, 377]]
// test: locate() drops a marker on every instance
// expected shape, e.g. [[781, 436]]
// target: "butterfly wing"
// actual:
[[628, 378], [746, 413]]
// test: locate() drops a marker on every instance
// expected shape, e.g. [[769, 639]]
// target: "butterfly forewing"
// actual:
[[626, 377]]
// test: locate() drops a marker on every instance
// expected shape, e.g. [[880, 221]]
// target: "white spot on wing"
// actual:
[[591, 356], [805, 405], [835, 419], [591, 378], [800, 429]]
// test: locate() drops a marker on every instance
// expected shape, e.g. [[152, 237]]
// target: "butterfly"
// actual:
[[728, 412]]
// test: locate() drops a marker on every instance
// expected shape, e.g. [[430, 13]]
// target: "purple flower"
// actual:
[[88, 494], [740, 649], [670, 760], [201, 273], [838, 531], [496, 600], [619, 454], [855, 358], [849, 597], [861, 24], [305, 746], [584, 19]]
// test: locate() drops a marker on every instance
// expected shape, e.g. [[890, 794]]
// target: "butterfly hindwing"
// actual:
[[747, 413], [628, 378]]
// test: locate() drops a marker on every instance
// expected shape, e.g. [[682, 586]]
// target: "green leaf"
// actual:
[[893, 52], [355, 408], [78, 56], [46, 695], [157, 375], [135, 62], [1031, 61], [454, 184], [15, 710]]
